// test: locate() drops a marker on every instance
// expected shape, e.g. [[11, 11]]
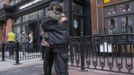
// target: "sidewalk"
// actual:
[[10, 64], [30, 67]]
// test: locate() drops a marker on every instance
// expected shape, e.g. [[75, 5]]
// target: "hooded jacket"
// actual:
[[57, 34]]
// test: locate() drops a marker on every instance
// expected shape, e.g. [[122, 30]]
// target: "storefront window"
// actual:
[[78, 16], [18, 20], [77, 9], [125, 7], [77, 25], [112, 26], [99, 12], [126, 24], [32, 16], [17, 30], [112, 10]]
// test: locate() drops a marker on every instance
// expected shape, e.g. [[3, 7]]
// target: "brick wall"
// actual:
[[94, 16], [8, 23]]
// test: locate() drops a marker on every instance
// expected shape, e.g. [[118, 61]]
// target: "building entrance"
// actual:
[[33, 27], [80, 23]]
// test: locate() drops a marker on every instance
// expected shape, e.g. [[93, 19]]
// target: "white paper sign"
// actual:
[[76, 24], [106, 48]]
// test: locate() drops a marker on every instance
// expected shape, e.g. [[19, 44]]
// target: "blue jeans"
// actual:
[[11, 47], [30, 45]]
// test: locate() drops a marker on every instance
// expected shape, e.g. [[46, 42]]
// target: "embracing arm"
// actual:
[[55, 16]]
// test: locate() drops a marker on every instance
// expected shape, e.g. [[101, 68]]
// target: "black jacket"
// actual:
[[57, 34]]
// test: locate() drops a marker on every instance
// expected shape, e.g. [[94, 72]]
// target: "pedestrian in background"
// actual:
[[24, 41], [30, 45], [11, 39]]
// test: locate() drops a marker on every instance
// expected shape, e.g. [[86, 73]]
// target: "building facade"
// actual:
[[26, 16], [112, 16], [23, 12]]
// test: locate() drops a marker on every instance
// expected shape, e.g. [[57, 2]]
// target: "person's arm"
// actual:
[[31, 38], [62, 20], [54, 16]]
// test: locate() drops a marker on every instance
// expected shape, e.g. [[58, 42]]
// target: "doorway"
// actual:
[[33, 27], [80, 18]]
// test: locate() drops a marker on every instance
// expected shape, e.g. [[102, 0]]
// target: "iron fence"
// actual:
[[18, 54], [103, 52]]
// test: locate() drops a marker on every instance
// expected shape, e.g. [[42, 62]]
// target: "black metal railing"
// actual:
[[18, 54], [103, 52]]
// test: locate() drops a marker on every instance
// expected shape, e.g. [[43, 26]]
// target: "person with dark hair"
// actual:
[[53, 15], [56, 40]]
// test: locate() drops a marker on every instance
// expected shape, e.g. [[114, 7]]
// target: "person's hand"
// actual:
[[45, 43], [62, 20]]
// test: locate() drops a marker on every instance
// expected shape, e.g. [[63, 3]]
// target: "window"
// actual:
[[32, 16], [17, 30], [125, 7], [18, 20], [77, 25], [111, 26], [126, 24], [100, 19], [78, 16], [77, 9], [112, 10]]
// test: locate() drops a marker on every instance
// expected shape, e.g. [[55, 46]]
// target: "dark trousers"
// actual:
[[11, 47], [59, 56]]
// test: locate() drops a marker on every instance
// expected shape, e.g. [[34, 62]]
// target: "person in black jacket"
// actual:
[[56, 41]]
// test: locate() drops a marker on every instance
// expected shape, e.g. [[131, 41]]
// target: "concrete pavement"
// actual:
[[10, 64], [34, 67]]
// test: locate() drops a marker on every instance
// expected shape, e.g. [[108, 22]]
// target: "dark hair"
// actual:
[[56, 4]]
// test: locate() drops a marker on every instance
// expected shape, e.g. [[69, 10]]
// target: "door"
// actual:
[[77, 19], [33, 27], [80, 18]]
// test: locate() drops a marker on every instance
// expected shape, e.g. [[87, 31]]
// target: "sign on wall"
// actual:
[[106, 1]]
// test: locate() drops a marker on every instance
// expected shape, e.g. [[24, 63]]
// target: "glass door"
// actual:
[[77, 19]]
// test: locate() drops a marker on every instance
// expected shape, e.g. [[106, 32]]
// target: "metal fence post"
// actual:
[[17, 54], [3, 51], [82, 53]]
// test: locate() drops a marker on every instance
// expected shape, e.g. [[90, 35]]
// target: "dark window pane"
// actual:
[[111, 10], [77, 25], [100, 19], [125, 7], [126, 24], [111, 26], [78, 9]]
